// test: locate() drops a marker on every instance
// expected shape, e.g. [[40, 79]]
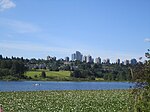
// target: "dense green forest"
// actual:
[[111, 72], [12, 69]]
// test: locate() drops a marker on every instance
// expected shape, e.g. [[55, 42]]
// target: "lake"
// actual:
[[54, 85]]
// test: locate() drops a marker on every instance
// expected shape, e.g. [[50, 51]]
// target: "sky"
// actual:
[[102, 28]]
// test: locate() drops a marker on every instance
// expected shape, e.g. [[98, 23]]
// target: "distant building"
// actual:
[[73, 57], [98, 60], [133, 61], [84, 59], [1, 57], [76, 56], [107, 61], [122, 63], [51, 58], [67, 59], [61, 59], [118, 61], [104, 61], [126, 62], [89, 59], [54, 58], [48, 57]]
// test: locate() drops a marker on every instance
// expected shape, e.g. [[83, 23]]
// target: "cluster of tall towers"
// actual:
[[78, 56], [88, 59]]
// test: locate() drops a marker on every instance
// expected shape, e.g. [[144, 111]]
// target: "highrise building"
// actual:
[[73, 57], [107, 61], [51, 58], [67, 59], [98, 60], [48, 57], [126, 62], [1, 57], [84, 59], [76, 56], [89, 59], [104, 61], [118, 61]]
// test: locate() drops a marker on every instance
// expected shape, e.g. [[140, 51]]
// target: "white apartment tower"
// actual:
[[76, 56], [89, 59], [98, 60], [118, 61]]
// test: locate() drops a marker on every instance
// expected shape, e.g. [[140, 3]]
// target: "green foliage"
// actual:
[[141, 75], [43, 74], [54, 66], [35, 76], [67, 101], [76, 74], [65, 67], [12, 68], [111, 72]]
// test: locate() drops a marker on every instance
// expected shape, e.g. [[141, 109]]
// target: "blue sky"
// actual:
[[105, 28]]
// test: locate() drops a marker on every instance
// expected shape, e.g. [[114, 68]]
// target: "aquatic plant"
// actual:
[[67, 101]]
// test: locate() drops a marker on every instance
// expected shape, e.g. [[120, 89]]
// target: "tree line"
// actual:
[[12, 69], [110, 72], [15, 67]]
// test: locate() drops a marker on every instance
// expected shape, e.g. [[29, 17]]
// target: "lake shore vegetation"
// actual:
[[66, 101]]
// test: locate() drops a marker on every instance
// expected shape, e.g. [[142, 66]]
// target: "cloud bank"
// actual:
[[19, 26], [6, 4], [147, 40], [31, 47]]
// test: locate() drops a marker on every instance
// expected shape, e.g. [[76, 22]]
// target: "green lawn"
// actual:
[[55, 76], [60, 74], [67, 101]]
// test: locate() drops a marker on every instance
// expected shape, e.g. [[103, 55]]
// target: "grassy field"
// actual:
[[51, 75], [56, 76], [67, 101]]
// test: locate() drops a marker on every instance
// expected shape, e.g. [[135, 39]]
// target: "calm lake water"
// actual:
[[45, 85]]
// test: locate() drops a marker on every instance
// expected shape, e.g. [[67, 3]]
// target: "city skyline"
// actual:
[[107, 29], [86, 58]]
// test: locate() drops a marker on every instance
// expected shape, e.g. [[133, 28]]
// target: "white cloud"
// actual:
[[19, 26], [23, 27], [32, 47], [6, 4], [147, 40]]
